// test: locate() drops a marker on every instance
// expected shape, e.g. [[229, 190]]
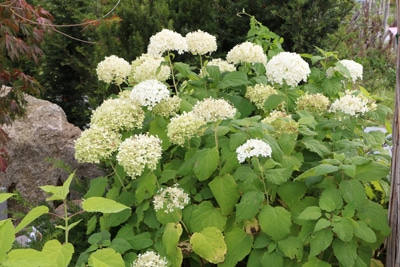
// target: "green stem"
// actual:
[[66, 218], [173, 74], [119, 178]]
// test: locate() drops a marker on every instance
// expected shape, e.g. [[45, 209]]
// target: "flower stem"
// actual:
[[119, 178], [173, 74]]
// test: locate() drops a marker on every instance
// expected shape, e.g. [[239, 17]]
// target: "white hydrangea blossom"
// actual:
[[118, 114], [170, 199], [95, 144], [313, 102], [274, 115], [287, 67], [223, 65], [150, 259], [183, 127], [259, 93], [201, 43], [212, 110], [246, 52], [149, 93], [253, 148], [168, 107], [113, 70], [355, 69], [350, 104], [149, 67], [138, 152], [166, 40]]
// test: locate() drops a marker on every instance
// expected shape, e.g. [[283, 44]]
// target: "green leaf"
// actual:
[[59, 254], [331, 86], [239, 245], [97, 187], [141, 241], [226, 192], [70, 226], [310, 213], [120, 245], [321, 169], [287, 142], [32, 215], [106, 257], [58, 192], [273, 101], [345, 252], [317, 146], [362, 231], [157, 128], [330, 199], [5, 196], [353, 192], [233, 79], [206, 215], [375, 216], [206, 163], [279, 176], [146, 187], [320, 241], [314, 262], [101, 204], [322, 223], [271, 259], [171, 236], [343, 229], [291, 247], [372, 171], [27, 257], [249, 205], [275, 222], [291, 192], [7, 236], [209, 244]]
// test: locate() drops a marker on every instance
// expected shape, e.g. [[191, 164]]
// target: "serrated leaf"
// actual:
[[32, 215], [345, 252], [209, 244], [291, 192], [314, 262], [291, 247], [249, 205], [233, 79], [97, 187], [362, 231], [317, 146], [287, 142], [171, 236], [353, 192], [226, 192], [106, 257], [271, 259], [322, 223], [273, 101], [275, 222], [206, 163], [7, 236], [206, 215], [146, 187], [27, 257], [330, 199], [343, 229], [101, 204], [59, 254], [375, 216], [239, 245], [371, 171], [320, 241], [58, 192], [5, 196], [141, 241], [120, 245], [310, 213]]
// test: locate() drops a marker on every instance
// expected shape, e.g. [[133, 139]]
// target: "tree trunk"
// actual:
[[393, 246]]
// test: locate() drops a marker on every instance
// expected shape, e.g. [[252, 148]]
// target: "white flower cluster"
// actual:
[[168, 107], [113, 70], [355, 69], [149, 93], [150, 259], [118, 114], [95, 144], [350, 104], [253, 148], [148, 67], [313, 102], [223, 65], [170, 199], [259, 93], [201, 43], [138, 152], [183, 127], [212, 110], [246, 52], [287, 67], [167, 40]]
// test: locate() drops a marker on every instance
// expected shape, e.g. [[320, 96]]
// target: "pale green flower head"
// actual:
[[201, 43], [149, 67], [313, 103], [150, 259], [166, 40], [253, 148], [212, 110], [170, 199], [259, 93], [139, 152], [282, 123], [96, 144], [246, 52], [183, 127], [113, 70], [168, 107], [118, 114], [223, 65], [352, 104], [287, 67], [149, 93]]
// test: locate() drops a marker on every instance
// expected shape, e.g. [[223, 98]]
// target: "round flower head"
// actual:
[[282, 123], [113, 70], [149, 93], [212, 110], [118, 114], [138, 152], [166, 40], [313, 103], [246, 52], [350, 104], [150, 259], [223, 65], [95, 144], [170, 199], [355, 69], [183, 127], [148, 67], [168, 107], [253, 148], [201, 43], [259, 93], [287, 67]]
